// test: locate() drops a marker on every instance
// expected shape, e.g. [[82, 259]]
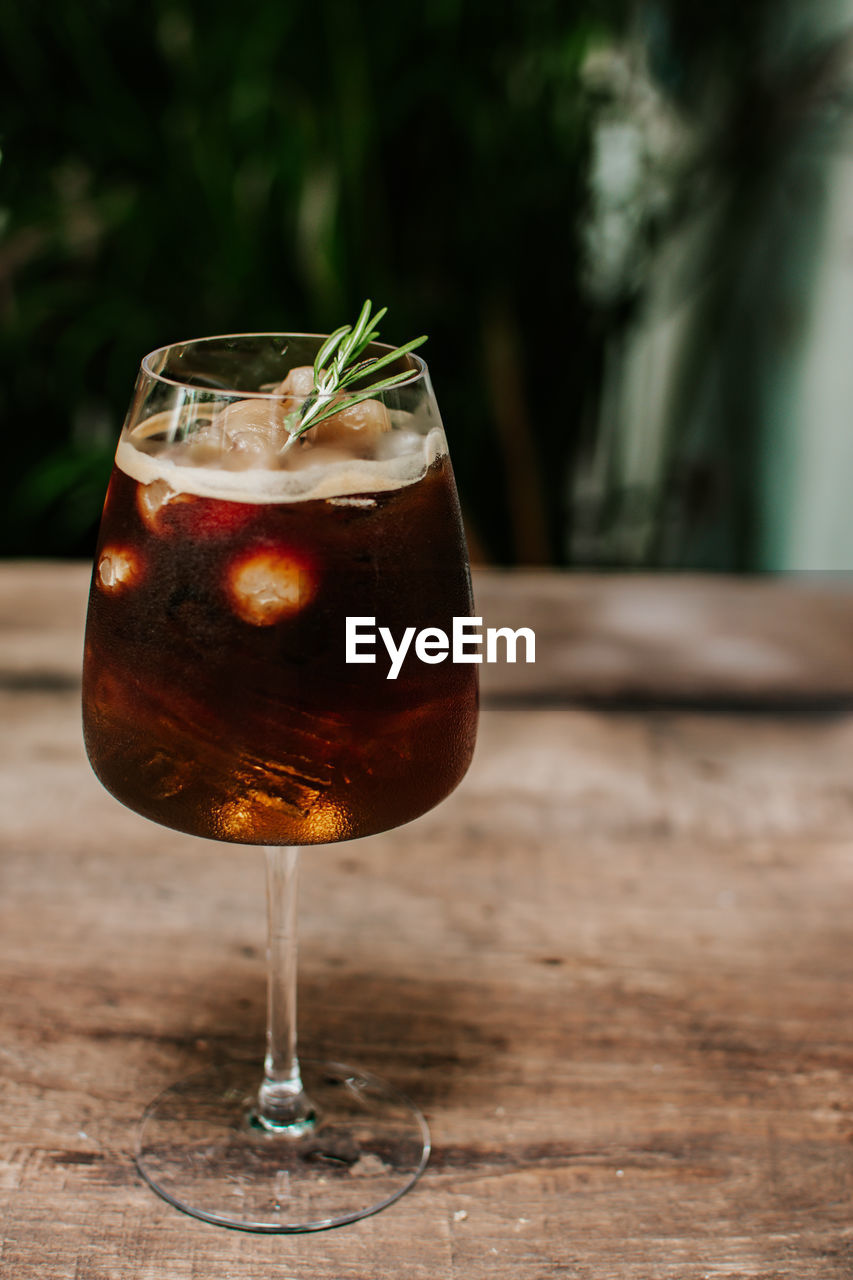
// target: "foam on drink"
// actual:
[[241, 454]]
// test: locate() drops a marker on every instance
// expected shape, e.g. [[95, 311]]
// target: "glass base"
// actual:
[[200, 1149]]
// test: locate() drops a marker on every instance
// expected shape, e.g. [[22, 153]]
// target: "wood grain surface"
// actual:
[[615, 968]]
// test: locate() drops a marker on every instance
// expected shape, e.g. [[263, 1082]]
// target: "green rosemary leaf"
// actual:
[[373, 331], [357, 397], [362, 324], [328, 347], [337, 366], [371, 366], [353, 342]]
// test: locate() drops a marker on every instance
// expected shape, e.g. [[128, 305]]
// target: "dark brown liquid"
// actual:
[[218, 711]]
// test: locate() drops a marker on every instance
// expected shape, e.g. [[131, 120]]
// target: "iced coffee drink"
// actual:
[[217, 697]]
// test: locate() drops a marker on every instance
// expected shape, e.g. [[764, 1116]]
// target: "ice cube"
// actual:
[[357, 428], [118, 568], [267, 586], [299, 383], [247, 433], [151, 501], [401, 444], [252, 432]]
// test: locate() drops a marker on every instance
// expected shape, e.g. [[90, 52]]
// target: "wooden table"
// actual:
[[615, 967]]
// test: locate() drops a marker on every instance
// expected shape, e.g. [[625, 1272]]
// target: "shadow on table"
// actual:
[[417, 1033]]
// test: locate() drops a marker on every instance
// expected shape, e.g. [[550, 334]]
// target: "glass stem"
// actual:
[[282, 1106]]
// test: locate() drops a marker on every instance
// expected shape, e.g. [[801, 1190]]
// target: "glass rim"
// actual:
[[418, 373]]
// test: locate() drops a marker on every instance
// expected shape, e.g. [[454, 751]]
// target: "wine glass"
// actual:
[[218, 701]]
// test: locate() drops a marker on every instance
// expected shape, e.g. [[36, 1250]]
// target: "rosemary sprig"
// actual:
[[337, 366]]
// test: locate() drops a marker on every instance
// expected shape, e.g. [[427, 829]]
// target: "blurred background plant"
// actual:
[[608, 216]]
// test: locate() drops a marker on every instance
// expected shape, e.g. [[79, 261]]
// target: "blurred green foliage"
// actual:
[[505, 178], [196, 166]]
